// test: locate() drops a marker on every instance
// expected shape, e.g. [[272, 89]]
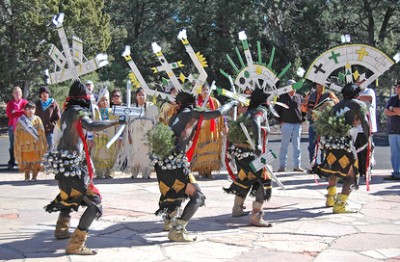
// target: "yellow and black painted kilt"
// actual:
[[74, 191], [247, 180], [172, 184], [338, 162]]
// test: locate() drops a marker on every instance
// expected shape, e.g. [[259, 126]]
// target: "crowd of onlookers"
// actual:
[[33, 128]]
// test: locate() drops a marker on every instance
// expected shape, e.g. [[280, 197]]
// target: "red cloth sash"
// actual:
[[88, 160], [189, 153]]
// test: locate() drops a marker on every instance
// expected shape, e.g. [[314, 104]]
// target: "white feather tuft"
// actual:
[[300, 72]]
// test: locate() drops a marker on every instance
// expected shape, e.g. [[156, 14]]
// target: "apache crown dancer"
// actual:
[[257, 183], [338, 131], [175, 180], [73, 169]]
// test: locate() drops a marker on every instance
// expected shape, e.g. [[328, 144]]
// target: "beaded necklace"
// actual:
[[104, 113]]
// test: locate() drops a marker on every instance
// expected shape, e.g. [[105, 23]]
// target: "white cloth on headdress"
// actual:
[[103, 93]]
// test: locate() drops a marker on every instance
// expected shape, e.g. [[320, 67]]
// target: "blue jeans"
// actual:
[[290, 132], [50, 141], [312, 136], [11, 149], [394, 142]]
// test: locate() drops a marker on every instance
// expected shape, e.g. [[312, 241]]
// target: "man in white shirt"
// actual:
[[368, 96]]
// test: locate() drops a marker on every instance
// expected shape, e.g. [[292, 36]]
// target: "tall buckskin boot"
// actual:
[[168, 220], [330, 197], [340, 205], [237, 210], [178, 232], [62, 227], [256, 217], [76, 244]]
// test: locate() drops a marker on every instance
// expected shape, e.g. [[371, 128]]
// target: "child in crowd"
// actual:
[[30, 142]]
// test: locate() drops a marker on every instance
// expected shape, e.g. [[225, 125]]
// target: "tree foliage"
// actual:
[[27, 31], [299, 30]]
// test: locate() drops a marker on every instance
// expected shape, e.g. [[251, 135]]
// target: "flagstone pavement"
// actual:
[[303, 229]]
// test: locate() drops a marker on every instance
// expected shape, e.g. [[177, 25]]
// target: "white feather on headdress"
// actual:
[[103, 93]]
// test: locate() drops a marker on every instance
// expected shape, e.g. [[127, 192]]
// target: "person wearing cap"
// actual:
[[14, 110], [90, 87], [48, 110], [30, 142], [290, 120], [392, 111], [337, 127]]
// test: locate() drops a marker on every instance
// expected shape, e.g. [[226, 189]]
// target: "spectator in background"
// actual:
[[310, 102], [103, 157], [120, 164], [49, 112], [30, 142], [14, 109], [93, 108], [138, 158], [116, 98], [168, 108], [90, 87], [205, 154], [367, 95], [291, 124], [392, 111]]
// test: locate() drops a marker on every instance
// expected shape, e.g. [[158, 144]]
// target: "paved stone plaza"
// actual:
[[303, 229]]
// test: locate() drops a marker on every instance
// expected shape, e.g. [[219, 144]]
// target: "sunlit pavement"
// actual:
[[303, 229]]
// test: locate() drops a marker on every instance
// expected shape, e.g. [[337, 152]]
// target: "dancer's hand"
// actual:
[[122, 120]]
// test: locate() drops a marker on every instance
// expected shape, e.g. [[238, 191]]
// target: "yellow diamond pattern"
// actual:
[[242, 175], [63, 195], [331, 158], [75, 193], [163, 188], [344, 161], [178, 185], [259, 70], [251, 176]]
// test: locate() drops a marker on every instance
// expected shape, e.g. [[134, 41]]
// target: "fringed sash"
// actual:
[[28, 126]]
